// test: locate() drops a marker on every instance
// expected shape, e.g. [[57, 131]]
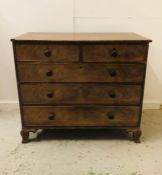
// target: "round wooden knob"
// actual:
[[112, 73], [50, 94], [114, 53], [47, 52], [49, 73], [111, 116], [51, 116], [112, 94]]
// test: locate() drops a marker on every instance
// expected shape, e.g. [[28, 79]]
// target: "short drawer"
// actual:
[[57, 53], [80, 116], [114, 53], [80, 94], [90, 72]]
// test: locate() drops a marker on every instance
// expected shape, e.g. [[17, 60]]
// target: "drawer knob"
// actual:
[[112, 94], [110, 116], [112, 73], [49, 73], [50, 94], [114, 53], [47, 52], [51, 117]]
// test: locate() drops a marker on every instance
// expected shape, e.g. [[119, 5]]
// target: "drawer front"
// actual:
[[80, 116], [114, 53], [58, 53], [91, 72], [80, 94]]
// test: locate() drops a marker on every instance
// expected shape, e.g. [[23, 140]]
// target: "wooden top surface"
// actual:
[[35, 36]]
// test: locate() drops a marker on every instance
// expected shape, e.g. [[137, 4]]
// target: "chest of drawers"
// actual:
[[80, 81]]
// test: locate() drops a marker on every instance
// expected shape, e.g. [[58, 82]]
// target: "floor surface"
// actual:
[[80, 152]]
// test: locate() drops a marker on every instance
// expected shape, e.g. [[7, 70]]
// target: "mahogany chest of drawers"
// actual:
[[80, 81]]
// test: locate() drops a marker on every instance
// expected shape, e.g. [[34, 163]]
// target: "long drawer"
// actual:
[[83, 72], [114, 53], [80, 94], [48, 52], [80, 116]]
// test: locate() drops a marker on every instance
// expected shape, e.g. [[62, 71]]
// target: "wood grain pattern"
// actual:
[[81, 116], [80, 81], [43, 36], [80, 94], [103, 53], [47, 53], [83, 72]]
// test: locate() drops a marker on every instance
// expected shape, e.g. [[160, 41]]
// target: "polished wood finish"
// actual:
[[81, 72], [114, 53], [80, 94], [81, 116], [57, 53], [73, 37], [73, 81]]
